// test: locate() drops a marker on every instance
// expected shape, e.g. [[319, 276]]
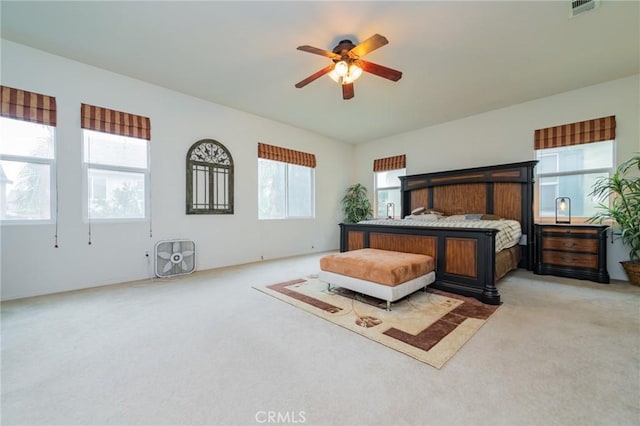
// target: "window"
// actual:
[[115, 153], [386, 183], [387, 193], [27, 156], [27, 170], [117, 176], [571, 171], [209, 178], [571, 158], [286, 184]]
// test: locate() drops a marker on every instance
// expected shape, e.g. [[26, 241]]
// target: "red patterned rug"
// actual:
[[429, 326]]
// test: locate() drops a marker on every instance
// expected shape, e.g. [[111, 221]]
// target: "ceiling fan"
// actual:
[[347, 65]]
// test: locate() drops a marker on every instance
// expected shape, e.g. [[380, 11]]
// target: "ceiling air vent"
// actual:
[[580, 6]]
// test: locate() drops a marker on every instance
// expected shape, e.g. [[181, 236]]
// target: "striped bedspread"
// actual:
[[509, 231]]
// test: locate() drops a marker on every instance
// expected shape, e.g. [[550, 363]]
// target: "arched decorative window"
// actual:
[[209, 178]]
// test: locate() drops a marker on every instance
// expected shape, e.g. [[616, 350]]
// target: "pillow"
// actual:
[[455, 217], [423, 217], [418, 210], [475, 216], [436, 212], [490, 217]]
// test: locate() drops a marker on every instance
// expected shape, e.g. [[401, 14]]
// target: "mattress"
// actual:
[[508, 235]]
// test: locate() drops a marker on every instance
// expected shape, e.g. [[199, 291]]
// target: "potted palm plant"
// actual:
[[623, 189], [356, 205]]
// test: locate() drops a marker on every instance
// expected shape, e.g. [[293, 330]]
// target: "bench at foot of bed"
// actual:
[[384, 274]]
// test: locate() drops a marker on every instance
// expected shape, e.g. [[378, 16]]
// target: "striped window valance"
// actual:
[[114, 122], [28, 106], [390, 163], [596, 130], [276, 153]]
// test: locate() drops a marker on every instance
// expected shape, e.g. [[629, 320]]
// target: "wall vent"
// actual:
[[577, 7]]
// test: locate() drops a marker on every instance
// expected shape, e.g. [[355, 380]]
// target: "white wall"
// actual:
[[506, 136], [32, 266]]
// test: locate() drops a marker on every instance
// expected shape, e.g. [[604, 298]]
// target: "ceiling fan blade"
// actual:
[[315, 76], [347, 91], [318, 51], [379, 70], [369, 45]]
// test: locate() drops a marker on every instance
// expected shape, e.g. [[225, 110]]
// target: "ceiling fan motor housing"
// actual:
[[343, 47]]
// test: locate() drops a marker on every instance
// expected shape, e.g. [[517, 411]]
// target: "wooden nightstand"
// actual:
[[573, 251]]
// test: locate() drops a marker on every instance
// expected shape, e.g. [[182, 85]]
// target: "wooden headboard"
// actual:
[[505, 190]]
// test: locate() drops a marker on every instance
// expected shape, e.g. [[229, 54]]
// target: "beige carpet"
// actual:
[[430, 326], [208, 349]]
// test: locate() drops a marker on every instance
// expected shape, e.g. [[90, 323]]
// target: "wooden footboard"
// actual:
[[464, 257]]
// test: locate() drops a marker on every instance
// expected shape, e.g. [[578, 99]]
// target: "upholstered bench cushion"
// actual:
[[379, 266]]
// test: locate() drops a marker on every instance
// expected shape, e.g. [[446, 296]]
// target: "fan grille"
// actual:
[[175, 257]]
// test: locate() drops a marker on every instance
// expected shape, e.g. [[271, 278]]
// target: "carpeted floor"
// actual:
[[430, 326], [207, 349]]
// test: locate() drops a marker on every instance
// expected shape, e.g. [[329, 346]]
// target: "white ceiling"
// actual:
[[457, 58]]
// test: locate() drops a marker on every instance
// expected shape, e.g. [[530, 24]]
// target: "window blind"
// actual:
[[390, 163], [28, 106], [588, 131], [285, 155], [115, 122]]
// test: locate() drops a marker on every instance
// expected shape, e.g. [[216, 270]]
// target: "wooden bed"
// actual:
[[466, 260]]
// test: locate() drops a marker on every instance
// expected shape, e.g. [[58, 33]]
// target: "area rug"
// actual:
[[430, 326]]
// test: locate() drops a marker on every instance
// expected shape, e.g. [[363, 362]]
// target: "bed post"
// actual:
[[490, 294]]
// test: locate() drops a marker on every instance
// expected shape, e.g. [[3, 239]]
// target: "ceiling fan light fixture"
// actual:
[[354, 72], [341, 68], [344, 73]]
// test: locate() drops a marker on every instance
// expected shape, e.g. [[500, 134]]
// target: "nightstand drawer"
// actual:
[[575, 260], [570, 244]]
